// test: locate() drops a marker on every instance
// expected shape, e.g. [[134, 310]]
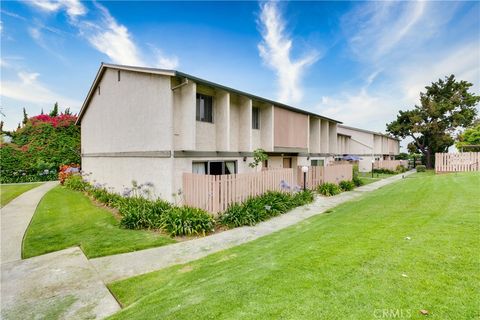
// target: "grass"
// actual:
[[353, 262], [366, 177], [8, 192], [66, 218]]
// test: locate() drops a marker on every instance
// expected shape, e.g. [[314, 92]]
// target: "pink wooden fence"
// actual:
[[216, 193], [317, 175], [457, 162], [390, 164]]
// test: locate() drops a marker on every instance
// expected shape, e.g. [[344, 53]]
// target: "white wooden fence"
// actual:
[[390, 164], [457, 162], [216, 193], [317, 175]]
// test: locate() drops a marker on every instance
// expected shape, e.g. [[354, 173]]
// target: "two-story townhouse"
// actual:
[[367, 145], [151, 125]]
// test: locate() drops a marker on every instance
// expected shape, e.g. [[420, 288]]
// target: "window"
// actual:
[[255, 118], [214, 167], [287, 163], [204, 108], [317, 163]]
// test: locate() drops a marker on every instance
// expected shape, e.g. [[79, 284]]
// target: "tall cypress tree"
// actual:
[[54, 111], [25, 117]]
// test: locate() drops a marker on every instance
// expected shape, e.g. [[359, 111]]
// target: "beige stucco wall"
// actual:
[[118, 173], [290, 129], [133, 114], [256, 139], [266, 127], [244, 124], [360, 143], [324, 136], [222, 118], [314, 139], [184, 112]]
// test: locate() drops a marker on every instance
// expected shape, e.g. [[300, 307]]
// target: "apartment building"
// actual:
[[152, 125], [366, 145]]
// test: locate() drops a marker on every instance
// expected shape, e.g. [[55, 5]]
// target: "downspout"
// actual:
[[180, 85]]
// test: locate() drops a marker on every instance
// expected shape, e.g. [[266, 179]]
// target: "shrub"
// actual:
[[263, 207], [67, 171], [329, 189], [400, 169], [302, 198], [421, 168], [355, 170], [106, 197], [178, 221], [357, 181], [76, 182], [141, 213], [382, 170], [346, 185], [39, 148]]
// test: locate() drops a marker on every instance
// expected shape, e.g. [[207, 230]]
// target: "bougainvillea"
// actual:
[[39, 148]]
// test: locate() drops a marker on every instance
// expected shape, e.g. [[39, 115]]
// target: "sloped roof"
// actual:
[[175, 73]]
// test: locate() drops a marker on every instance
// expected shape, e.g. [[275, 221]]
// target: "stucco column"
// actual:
[[245, 125], [324, 145], [222, 120]]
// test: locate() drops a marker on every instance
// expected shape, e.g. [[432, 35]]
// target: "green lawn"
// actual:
[[366, 177], [66, 218], [8, 192], [353, 262]]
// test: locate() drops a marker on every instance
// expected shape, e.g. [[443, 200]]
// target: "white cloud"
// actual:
[[275, 50], [104, 33], [27, 88], [74, 8], [112, 39], [404, 44]]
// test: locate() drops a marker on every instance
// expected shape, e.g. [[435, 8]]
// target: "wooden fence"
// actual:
[[216, 193], [457, 162], [390, 164], [317, 175]]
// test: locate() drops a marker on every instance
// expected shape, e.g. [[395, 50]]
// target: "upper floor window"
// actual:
[[204, 108], [255, 118]]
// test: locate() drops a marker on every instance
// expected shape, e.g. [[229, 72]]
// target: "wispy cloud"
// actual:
[[275, 50], [104, 33], [28, 88], [74, 8], [407, 45]]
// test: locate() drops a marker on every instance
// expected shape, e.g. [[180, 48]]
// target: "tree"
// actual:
[[54, 111], [67, 112], [41, 112], [259, 155], [445, 106], [25, 117], [469, 140]]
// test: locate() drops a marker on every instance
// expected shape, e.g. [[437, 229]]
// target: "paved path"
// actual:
[[61, 285], [121, 266], [58, 285], [15, 218]]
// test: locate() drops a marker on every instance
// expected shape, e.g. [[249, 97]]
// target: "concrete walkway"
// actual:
[[15, 218], [121, 266], [59, 285]]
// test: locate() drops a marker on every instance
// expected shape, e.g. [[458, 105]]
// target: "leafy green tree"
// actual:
[[54, 111], [469, 140], [445, 106], [259, 155], [25, 117]]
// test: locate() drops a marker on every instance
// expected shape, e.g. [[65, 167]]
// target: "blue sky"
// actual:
[[358, 62]]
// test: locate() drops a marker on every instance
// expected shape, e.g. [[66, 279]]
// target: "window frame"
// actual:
[[207, 163], [256, 125], [198, 110]]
